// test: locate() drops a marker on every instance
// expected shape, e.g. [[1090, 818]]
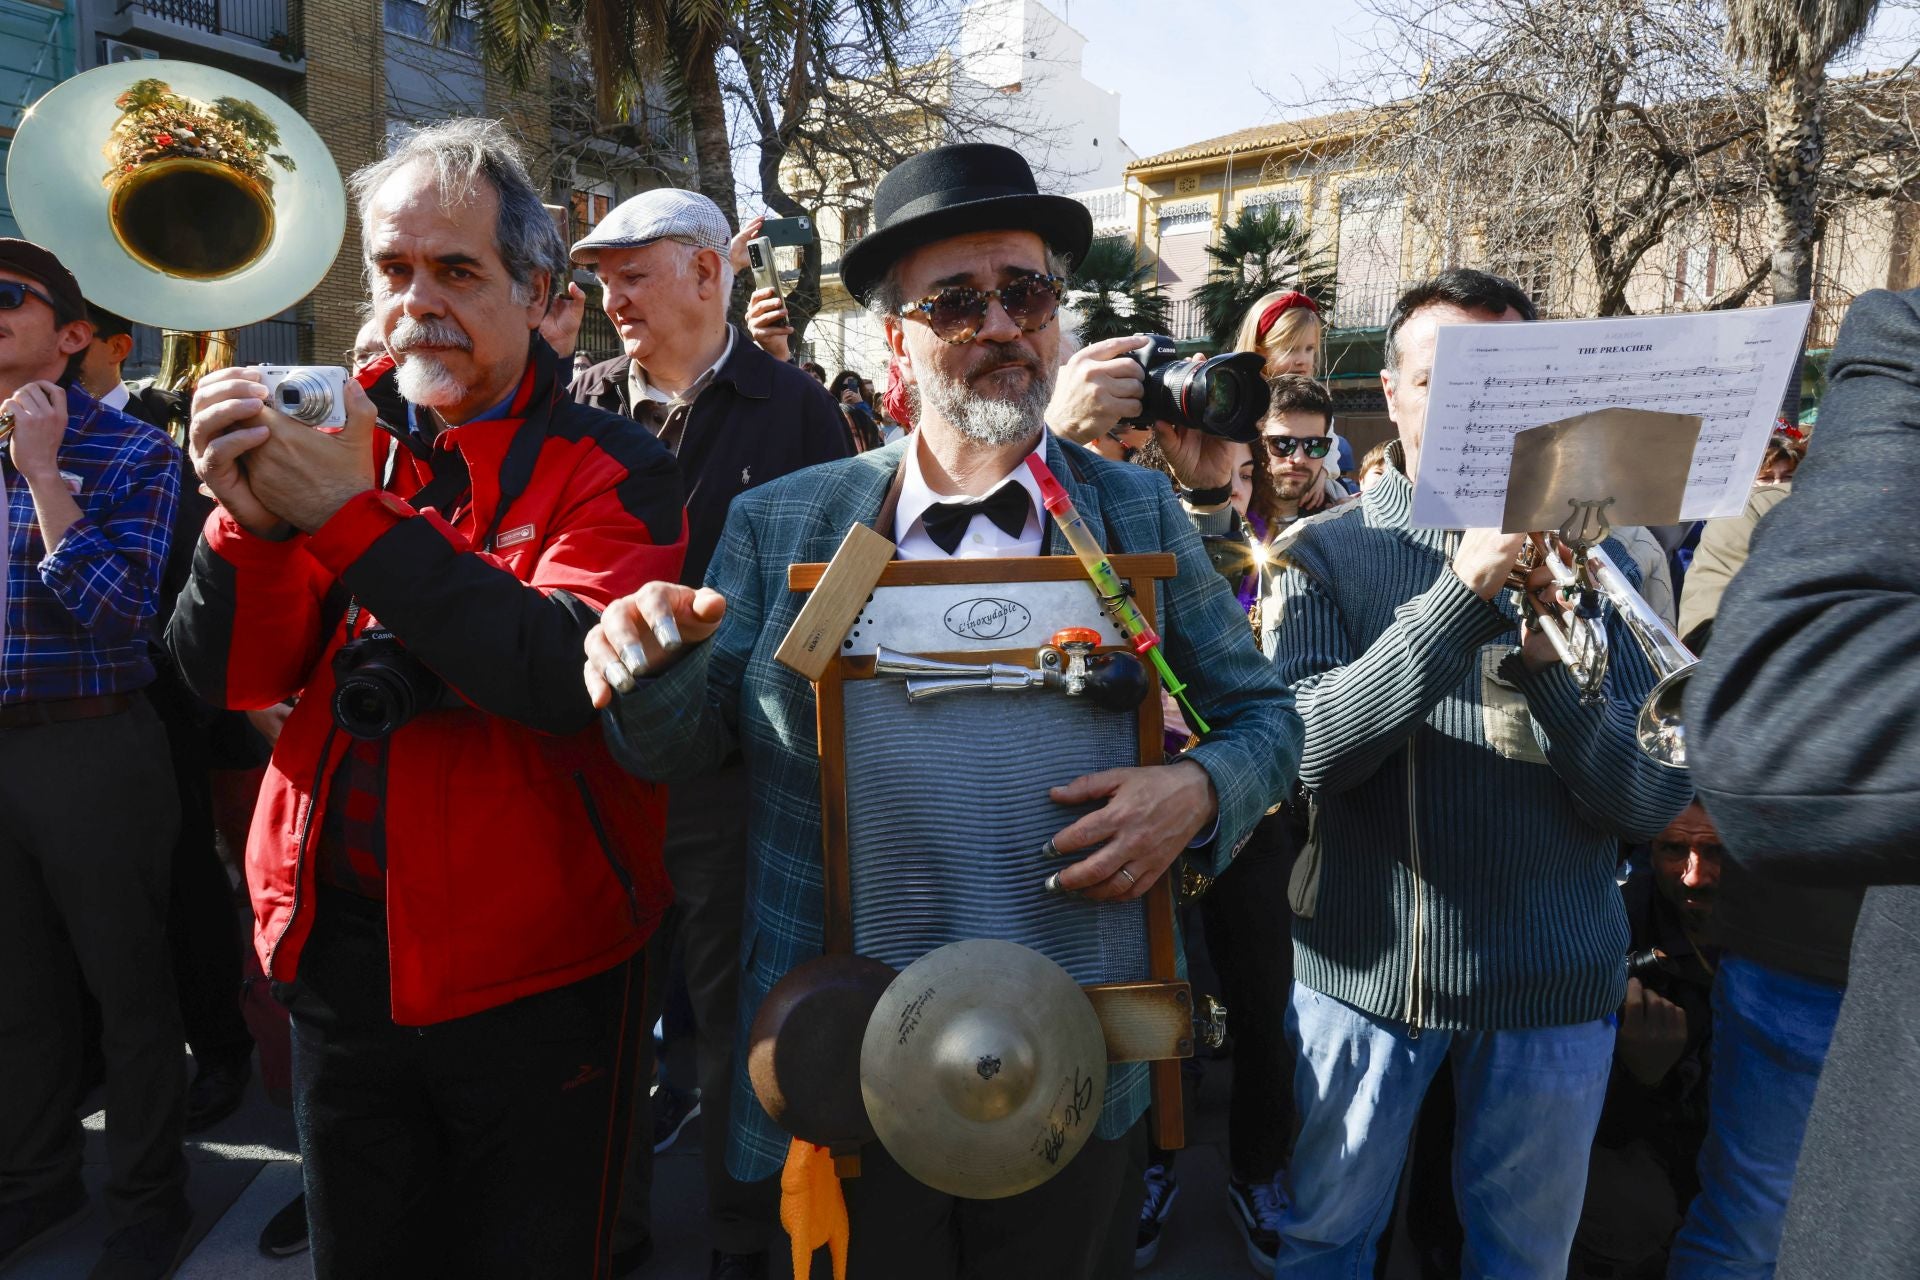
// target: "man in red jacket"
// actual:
[[451, 878]]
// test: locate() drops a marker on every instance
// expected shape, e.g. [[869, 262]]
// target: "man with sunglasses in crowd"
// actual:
[[965, 270], [1293, 445], [87, 501]]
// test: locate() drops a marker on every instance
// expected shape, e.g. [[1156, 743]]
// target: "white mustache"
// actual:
[[410, 334]]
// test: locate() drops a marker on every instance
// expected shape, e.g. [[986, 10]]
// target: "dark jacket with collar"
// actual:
[[759, 420], [1800, 722]]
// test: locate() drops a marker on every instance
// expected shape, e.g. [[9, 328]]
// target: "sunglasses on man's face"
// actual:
[[958, 313], [1310, 446], [14, 294]]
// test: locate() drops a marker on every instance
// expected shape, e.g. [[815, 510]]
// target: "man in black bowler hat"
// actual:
[[965, 269]]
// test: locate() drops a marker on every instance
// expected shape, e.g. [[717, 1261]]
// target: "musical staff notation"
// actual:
[[1726, 369]]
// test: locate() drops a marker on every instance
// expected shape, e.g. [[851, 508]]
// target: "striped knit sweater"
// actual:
[[1466, 813]]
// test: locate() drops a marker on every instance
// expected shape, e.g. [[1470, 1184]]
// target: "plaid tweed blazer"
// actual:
[[728, 693]]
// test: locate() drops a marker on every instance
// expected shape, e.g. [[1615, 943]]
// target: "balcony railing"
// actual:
[[264, 22], [1365, 304], [1185, 323]]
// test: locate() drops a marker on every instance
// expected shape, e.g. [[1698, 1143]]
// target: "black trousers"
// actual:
[[1250, 942], [706, 858], [485, 1146], [87, 821], [203, 930], [1063, 1229]]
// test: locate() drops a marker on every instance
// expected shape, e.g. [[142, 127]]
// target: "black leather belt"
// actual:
[[60, 710]]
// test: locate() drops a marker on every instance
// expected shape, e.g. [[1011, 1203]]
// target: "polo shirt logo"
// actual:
[[514, 537]]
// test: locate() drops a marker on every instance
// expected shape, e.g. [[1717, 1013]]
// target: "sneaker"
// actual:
[[737, 1266], [286, 1232], [1161, 1191], [218, 1087], [672, 1108], [1257, 1207], [25, 1223], [147, 1250]]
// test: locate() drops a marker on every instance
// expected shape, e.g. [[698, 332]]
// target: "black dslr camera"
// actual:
[[379, 686], [1223, 396]]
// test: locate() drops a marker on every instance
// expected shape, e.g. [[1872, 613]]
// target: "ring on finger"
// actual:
[[635, 656], [618, 676], [1129, 875]]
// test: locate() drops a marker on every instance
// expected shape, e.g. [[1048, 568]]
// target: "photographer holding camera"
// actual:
[[450, 876]]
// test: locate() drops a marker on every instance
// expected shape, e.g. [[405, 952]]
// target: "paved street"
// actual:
[[247, 1167]]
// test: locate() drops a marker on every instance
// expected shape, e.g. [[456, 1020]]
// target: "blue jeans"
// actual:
[[1528, 1101], [1770, 1034]]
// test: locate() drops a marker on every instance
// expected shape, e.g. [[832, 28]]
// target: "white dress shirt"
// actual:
[[983, 538], [117, 398]]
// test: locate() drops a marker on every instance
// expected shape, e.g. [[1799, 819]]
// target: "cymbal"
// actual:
[[803, 1054], [984, 1069]]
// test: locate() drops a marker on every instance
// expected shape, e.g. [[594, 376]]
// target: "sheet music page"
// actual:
[[1729, 368]]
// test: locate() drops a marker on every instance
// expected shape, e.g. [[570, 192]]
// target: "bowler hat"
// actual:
[[953, 190]]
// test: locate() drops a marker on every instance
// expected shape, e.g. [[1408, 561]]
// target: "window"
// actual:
[[587, 206], [1367, 265], [409, 18], [854, 221]]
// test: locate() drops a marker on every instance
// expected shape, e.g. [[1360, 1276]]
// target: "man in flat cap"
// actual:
[[87, 500], [965, 270], [736, 418]]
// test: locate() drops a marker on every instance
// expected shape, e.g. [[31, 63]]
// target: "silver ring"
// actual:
[[1129, 875], [618, 676], [635, 656]]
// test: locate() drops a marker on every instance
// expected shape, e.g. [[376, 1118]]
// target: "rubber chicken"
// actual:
[[811, 1207]]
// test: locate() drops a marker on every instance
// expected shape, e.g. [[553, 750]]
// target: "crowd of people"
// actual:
[[478, 694]]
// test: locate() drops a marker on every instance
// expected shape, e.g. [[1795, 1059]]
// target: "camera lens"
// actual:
[[306, 397], [1223, 396]]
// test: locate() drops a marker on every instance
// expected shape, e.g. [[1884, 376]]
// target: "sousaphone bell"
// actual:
[[180, 196]]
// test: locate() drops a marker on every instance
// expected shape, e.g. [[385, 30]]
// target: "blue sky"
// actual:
[[1216, 73]]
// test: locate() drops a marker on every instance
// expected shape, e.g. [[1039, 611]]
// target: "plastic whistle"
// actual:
[[1113, 592]]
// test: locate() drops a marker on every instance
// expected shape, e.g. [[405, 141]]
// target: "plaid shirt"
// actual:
[[80, 617]]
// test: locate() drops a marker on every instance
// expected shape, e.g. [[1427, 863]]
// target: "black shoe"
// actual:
[[737, 1266], [1257, 1207], [630, 1259], [218, 1086], [25, 1223], [286, 1232], [672, 1108], [1154, 1208], [147, 1250]]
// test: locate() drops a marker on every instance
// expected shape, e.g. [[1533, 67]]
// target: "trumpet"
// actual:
[[1588, 582]]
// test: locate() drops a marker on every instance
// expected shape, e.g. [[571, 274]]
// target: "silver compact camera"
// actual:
[[315, 394]]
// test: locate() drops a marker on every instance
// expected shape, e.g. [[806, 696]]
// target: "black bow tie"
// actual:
[[946, 522]]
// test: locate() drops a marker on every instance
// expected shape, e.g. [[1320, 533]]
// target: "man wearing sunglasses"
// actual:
[[87, 500], [965, 270], [1293, 446]]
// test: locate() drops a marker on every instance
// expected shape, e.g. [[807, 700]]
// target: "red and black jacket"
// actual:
[[519, 856]]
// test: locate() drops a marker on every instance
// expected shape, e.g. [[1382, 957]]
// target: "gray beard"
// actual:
[[985, 420], [426, 382]]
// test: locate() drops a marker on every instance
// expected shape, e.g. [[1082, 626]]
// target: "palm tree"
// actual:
[[627, 41], [1791, 42], [1114, 293], [1259, 251]]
